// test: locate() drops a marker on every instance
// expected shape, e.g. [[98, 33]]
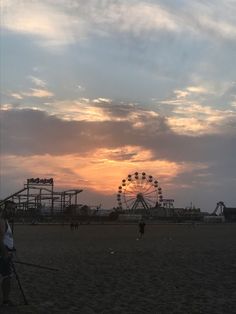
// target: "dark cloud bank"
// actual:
[[30, 132]]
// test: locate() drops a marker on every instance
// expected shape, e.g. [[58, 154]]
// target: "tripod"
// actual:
[[19, 283], [9, 211]]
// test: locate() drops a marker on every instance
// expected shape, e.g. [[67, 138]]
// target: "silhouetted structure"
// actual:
[[138, 193], [141, 194], [229, 213], [39, 197]]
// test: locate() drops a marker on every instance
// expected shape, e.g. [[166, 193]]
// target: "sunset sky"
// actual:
[[94, 90]]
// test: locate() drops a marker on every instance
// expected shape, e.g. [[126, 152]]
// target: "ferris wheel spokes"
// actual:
[[151, 192], [139, 192]]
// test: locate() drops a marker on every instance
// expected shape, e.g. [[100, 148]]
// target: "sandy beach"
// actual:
[[105, 269]]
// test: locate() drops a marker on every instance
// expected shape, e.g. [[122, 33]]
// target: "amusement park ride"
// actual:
[[139, 190], [138, 194], [229, 213], [39, 195]]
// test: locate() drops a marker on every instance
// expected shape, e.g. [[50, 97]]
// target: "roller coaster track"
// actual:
[[12, 195]]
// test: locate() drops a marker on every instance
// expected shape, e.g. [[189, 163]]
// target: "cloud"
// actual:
[[6, 107], [191, 118], [137, 17], [82, 109], [197, 89], [16, 96], [69, 22], [98, 109], [215, 19], [102, 100], [38, 93], [189, 114], [38, 82], [99, 170], [190, 93], [81, 88], [50, 26], [34, 92], [65, 24], [30, 132]]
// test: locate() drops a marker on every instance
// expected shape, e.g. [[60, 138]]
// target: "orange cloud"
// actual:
[[102, 171], [39, 93]]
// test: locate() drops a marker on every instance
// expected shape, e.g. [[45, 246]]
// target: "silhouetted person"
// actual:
[[6, 250], [141, 227], [71, 226], [74, 225]]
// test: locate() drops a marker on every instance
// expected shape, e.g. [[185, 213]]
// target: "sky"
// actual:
[[92, 91]]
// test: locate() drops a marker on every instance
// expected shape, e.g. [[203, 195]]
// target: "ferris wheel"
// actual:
[[139, 191]]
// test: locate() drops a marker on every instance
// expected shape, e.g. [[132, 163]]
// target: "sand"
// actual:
[[179, 269]]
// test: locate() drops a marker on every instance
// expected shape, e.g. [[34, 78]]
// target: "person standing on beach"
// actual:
[[6, 250], [141, 226]]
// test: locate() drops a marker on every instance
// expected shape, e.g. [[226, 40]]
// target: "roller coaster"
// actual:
[[38, 195]]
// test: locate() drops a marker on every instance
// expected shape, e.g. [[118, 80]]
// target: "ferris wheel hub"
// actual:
[[140, 196]]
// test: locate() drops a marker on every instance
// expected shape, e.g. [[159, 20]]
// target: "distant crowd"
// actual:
[[74, 225]]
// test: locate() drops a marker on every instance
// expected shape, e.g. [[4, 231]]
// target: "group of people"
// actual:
[[74, 225], [6, 250]]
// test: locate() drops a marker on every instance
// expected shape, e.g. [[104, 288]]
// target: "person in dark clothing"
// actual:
[[141, 226]]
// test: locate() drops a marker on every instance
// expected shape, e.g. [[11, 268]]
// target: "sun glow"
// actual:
[[100, 171]]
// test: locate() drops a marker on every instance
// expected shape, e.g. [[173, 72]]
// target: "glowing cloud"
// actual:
[[101, 171], [49, 25], [38, 93]]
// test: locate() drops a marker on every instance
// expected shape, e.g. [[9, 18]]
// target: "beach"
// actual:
[[174, 268]]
